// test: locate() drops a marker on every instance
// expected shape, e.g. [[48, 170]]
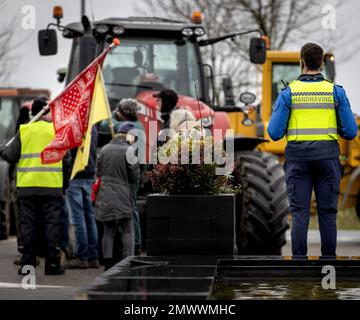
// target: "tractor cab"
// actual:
[[153, 54]]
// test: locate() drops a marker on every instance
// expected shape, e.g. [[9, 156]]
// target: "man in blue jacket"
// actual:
[[312, 112]]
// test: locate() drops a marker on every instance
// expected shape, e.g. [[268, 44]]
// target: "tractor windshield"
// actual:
[[142, 64], [286, 72], [9, 111]]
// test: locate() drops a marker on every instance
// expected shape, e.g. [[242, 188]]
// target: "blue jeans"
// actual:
[[322, 176], [79, 198]]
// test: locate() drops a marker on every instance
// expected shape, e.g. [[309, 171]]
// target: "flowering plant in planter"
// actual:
[[201, 219], [187, 166]]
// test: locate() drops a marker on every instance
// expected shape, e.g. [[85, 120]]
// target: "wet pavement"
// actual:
[[206, 278], [156, 278], [61, 287], [67, 286]]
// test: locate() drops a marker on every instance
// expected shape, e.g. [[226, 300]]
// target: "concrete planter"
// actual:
[[191, 224]]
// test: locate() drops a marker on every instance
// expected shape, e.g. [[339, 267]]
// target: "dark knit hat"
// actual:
[[126, 127], [167, 95], [37, 105]]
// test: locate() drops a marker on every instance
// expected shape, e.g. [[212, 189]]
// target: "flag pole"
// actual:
[[37, 117], [115, 43], [111, 126]]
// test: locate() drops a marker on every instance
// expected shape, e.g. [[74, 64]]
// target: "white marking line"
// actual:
[[9, 240], [18, 285]]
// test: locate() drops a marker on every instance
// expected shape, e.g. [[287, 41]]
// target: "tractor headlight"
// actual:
[[118, 30], [207, 122], [199, 32], [102, 28], [187, 32]]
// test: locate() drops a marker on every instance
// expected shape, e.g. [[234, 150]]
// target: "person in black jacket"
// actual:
[[24, 117], [167, 100], [114, 203], [39, 189]]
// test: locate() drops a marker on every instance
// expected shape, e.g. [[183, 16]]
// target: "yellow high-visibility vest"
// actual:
[[30, 172], [313, 115]]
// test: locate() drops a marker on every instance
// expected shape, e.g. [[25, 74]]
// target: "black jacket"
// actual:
[[12, 155], [89, 171], [114, 199]]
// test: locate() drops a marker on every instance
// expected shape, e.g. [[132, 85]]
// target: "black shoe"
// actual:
[[54, 270]]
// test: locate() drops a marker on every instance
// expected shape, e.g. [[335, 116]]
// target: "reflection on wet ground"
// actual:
[[285, 289], [213, 277]]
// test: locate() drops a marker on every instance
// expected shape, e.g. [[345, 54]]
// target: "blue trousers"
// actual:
[[322, 176], [79, 199]]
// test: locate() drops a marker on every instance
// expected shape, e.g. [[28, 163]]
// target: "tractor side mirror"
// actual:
[[47, 41], [257, 50], [329, 63]]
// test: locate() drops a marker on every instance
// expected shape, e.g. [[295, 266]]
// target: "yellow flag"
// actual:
[[99, 110]]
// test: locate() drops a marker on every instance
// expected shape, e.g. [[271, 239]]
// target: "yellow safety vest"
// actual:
[[30, 172], [313, 115]]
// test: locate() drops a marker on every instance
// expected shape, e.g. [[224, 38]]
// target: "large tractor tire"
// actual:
[[262, 206]]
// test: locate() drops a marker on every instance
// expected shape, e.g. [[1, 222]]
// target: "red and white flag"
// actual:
[[70, 111]]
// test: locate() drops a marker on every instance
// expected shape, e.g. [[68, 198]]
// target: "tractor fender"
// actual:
[[242, 143], [4, 171]]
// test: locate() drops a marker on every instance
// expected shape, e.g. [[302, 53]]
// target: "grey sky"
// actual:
[[36, 71]]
